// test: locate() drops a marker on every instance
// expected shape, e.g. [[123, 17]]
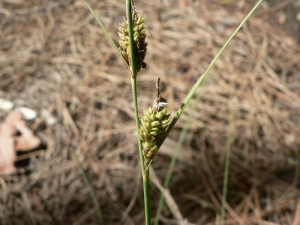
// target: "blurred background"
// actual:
[[56, 61]]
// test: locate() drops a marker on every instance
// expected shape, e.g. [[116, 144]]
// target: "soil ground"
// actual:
[[54, 58]]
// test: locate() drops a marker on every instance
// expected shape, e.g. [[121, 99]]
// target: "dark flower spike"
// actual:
[[139, 37]]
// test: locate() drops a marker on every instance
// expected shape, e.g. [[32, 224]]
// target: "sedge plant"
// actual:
[[155, 124]]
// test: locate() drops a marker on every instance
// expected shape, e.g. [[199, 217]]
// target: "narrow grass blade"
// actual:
[[205, 75], [109, 38], [91, 190], [227, 164], [175, 156]]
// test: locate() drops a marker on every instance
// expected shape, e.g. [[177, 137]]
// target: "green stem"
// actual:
[[136, 111], [131, 40], [137, 121], [146, 196], [144, 170]]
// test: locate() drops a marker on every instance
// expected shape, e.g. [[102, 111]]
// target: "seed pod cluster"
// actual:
[[153, 128], [139, 37]]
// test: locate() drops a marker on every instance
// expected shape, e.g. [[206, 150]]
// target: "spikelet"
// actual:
[[139, 37], [154, 125]]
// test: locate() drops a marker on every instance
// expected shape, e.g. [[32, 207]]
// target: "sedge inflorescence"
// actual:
[[155, 120], [139, 36], [154, 125]]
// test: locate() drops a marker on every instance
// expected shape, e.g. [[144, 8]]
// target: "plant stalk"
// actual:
[[136, 111], [146, 196], [144, 170]]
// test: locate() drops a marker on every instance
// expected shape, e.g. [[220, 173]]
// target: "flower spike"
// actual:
[[139, 37], [154, 125]]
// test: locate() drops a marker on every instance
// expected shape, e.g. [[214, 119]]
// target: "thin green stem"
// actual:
[[226, 173], [136, 111], [137, 121], [131, 40], [144, 170], [146, 196], [203, 77]]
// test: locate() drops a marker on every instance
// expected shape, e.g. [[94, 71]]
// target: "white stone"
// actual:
[[298, 17], [6, 105], [29, 114], [50, 120]]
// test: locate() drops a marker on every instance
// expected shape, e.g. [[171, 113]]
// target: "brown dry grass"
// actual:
[[54, 56]]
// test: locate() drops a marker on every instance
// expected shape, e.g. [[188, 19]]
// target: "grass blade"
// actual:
[[109, 38], [227, 164], [91, 190], [205, 75], [175, 156]]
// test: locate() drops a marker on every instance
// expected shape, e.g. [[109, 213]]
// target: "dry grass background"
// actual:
[[54, 57]]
